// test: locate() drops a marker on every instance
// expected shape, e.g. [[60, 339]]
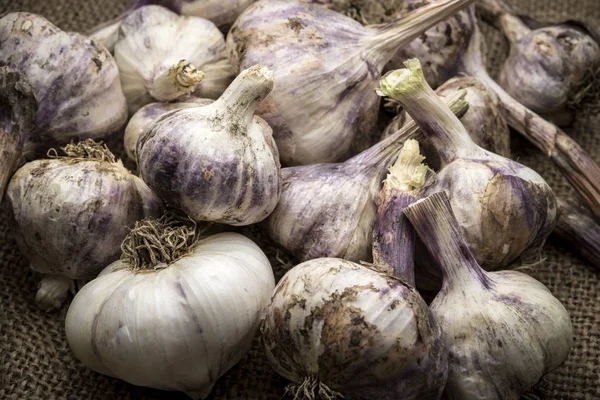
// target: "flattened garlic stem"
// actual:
[[52, 292], [180, 79]]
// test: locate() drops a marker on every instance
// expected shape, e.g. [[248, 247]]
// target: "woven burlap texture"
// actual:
[[35, 361]]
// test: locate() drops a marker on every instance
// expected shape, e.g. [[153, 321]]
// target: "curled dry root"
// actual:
[[587, 98], [312, 389], [88, 150]]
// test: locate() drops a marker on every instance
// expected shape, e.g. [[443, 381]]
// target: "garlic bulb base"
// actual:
[[181, 79], [52, 292], [311, 388], [200, 394]]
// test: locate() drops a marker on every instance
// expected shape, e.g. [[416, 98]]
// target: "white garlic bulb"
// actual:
[[163, 56], [178, 322]]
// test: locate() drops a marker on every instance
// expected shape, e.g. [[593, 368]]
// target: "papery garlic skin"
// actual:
[[236, 179], [146, 116], [361, 332], [70, 217], [154, 47], [75, 81], [179, 327]]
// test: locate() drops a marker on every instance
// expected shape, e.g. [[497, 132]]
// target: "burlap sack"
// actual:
[[35, 361]]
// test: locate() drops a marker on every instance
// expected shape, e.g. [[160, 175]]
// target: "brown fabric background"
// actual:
[[35, 361]]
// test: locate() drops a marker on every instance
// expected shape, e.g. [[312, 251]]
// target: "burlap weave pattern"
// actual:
[[35, 361]]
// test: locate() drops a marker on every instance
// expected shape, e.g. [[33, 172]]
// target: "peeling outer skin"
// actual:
[[502, 338], [546, 67], [76, 83], [362, 333], [70, 216], [149, 114], [153, 39], [17, 115], [175, 328], [486, 126]]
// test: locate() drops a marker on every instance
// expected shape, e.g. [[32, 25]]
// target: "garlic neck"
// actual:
[[409, 87], [436, 225], [182, 78]]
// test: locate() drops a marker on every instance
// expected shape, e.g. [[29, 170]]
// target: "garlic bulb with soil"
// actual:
[[75, 81], [323, 107], [504, 330], [146, 116], [328, 210], [17, 115], [504, 209], [163, 56], [550, 69], [482, 120], [216, 162], [70, 214], [176, 312]]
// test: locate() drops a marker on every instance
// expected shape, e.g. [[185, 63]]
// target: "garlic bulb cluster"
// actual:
[[75, 81], [70, 214], [482, 120], [328, 210], [216, 162], [549, 69], [505, 210], [338, 328], [146, 116], [504, 330], [176, 312], [326, 65], [163, 56], [17, 115]]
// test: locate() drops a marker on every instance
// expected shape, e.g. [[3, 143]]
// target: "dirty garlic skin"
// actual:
[[75, 81], [358, 331]]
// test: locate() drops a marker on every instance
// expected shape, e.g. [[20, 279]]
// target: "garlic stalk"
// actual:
[[146, 116], [161, 54], [337, 329], [176, 312], [75, 82], [326, 66], [550, 69], [236, 179], [70, 214], [328, 210], [580, 229], [504, 330], [505, 210], [486, 126], [220, 12], [17, 116]]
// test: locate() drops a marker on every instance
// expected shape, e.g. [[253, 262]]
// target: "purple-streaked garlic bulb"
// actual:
[[323, 107], [328, 210], [71, 213], [17, 116], [550, 69], [504, 330], [146, 116], [163, 56], [482, 120], [220, 12], [505, 210], [216, 162], [75, 81]]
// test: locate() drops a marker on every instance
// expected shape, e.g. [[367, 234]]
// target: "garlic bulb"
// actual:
[[75, 82], [174, 313], [235, 179], [146, 116], [17, 115], [505, 210], [504, 329], [482, 120], [328, 210], [70, 214], [160, 55], [326, 65], [549, 69], [338, 328]]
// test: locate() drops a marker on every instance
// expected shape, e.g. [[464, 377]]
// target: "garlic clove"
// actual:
[[52, 292]]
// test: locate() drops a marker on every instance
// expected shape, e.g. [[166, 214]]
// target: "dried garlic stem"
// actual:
[[180, 79]]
